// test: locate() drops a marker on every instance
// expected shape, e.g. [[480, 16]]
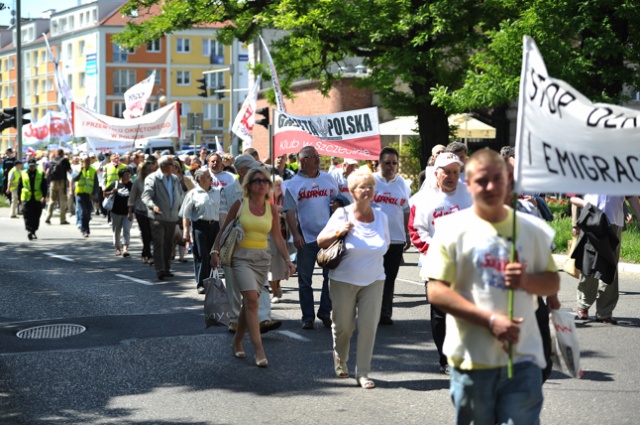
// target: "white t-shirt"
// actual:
[[222, 179], [392, 197], [310, 198], [471, 254], [341, 180], [612, 206], [366, 243], [433, 205]]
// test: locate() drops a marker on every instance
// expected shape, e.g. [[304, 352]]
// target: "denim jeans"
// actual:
[[306, 264], [83, 211], [489, 397]]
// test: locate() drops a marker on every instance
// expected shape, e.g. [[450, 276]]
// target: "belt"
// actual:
[[206, 221]]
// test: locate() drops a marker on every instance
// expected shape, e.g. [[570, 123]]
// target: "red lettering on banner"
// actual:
[[440, 212], [245, 118], [499, 264]]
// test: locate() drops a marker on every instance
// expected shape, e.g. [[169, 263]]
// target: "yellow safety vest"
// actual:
[[111, 174], [26, 186], [85, 183], [14, 176]]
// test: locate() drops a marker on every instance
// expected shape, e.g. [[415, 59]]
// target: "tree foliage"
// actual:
[[428, 58]]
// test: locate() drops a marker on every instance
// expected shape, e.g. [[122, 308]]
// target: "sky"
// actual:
[[32, 8]]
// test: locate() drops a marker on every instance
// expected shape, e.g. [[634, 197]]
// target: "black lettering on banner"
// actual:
[[367, 123], [605, 112], [535, 86], [546, 146], [620, 170], [634, 121], [358, 122], [337, 125], [603, 166], [350, 124], [575, 161], [556, 96], [593, 177], [629, 158], [564, 158], [608, 124], [330, 127]]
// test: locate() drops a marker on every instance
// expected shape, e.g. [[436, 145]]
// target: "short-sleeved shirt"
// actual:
[[471, 255], [393, 198]]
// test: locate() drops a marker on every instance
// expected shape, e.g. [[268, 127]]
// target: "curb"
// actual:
[[623, 267]]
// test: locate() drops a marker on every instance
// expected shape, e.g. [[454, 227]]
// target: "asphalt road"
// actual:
[[146, 357]]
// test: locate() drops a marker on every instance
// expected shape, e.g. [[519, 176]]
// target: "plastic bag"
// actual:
[[566, 341], [217, 309]]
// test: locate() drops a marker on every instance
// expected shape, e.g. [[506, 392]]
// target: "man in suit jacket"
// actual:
[[163, 196]]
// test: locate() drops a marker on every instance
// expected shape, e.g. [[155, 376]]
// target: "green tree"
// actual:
[[589, 44], [410, 46]]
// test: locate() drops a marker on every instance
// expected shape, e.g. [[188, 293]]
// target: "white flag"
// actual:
[[274, 79], [65, 96], [246, 118], [137, 96]]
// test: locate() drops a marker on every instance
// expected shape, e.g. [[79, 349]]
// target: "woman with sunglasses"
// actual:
[[251, 257]]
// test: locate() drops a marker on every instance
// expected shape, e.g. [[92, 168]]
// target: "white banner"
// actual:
[[566, 144], [52, 127], [350, 134], [159, 124], [274, 79], [137, 96], [65, 97], [243, 125]]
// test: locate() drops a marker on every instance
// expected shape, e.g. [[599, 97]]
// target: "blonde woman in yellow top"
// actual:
[[251, 258]]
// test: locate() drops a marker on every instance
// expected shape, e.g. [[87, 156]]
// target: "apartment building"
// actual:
[[98, 72]]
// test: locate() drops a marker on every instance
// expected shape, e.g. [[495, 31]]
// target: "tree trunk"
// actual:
[[434, 130]]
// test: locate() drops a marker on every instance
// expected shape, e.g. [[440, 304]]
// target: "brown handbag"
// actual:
[[330, 257]]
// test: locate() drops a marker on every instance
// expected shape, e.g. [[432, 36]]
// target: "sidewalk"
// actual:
[[623, 267]]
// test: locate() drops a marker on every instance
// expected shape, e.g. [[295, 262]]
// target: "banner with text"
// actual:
[[137, 96], [351, 134], [52, 127], [565, 143], [246, 118], [162, 123]]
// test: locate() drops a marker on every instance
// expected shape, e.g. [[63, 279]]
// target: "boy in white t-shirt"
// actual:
[[469, 276]]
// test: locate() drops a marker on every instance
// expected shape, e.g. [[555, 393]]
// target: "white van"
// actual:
[[149, 146]]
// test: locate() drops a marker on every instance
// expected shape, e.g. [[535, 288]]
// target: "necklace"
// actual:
[[256, 209]]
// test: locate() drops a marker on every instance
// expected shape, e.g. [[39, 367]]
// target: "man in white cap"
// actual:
[[228, 196], [447, 197], [340, 175]]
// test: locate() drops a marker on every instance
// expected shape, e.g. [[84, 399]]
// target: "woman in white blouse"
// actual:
[[356, 284]]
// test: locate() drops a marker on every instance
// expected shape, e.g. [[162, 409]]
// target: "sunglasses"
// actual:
[[263, 181]]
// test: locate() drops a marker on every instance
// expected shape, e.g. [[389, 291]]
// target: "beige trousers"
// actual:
[[58, 190], [355, 307]]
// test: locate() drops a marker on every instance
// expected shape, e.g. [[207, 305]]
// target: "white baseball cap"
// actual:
[[447, 158], [351, 161]]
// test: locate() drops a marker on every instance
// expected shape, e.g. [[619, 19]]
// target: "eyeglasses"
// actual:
[[390, 162], [263, 181]]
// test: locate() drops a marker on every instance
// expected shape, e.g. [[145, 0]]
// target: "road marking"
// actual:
[[410, 281], [133, 279], [61, 257], [294, 336]]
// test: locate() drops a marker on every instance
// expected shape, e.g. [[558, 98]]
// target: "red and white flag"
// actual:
[[246, 118], [137, 96]]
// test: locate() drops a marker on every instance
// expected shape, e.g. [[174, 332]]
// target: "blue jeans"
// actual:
[[489, 397], [83, 211], [306, 264]]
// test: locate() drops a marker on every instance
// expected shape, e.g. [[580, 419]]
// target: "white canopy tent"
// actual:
[[468, 127]]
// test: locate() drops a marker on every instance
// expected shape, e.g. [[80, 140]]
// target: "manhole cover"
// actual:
[[51, 331]]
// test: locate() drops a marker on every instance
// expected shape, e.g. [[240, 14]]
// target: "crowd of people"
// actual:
[[459, 220]]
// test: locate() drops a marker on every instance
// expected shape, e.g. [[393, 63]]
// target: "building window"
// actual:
[[82, 20], [119, 54], [81, 80], [27, 88], [81, 46], [49, 84], [185, 108], [158, 76], [214, 50], [118, 109], [69, 51], [217, 118], [215, 82], [123, 79], [36, 85], [27, 60], [184, 45], [12, 63], [72, 22], [153, 46], [69, 82], [183, 78]]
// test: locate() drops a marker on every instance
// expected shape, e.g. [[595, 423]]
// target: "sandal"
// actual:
[[118, 252], [340, 368], [365, 382]]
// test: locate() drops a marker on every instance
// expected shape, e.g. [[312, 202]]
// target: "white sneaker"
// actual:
[[275, 300]]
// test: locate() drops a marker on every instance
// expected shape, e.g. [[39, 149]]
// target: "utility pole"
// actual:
[[19, 80]]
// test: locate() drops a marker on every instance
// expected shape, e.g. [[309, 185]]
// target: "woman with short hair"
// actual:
[[356, 285], [121, 217]]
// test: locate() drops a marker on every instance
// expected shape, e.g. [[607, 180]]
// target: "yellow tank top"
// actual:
[[255, 227]]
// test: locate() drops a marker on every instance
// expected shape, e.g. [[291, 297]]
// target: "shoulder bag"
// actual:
[[330, 257], [232, 235], [107, 203]]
